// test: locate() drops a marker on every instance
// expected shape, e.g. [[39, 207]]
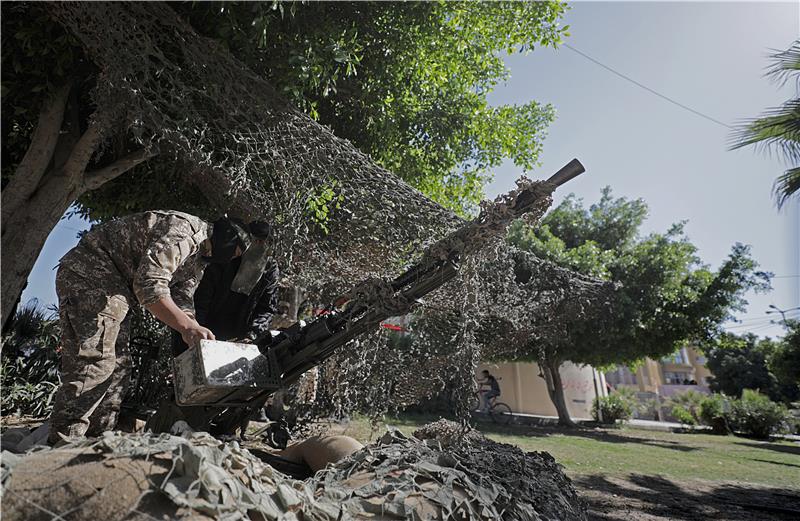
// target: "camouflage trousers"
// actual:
[[95, 356]]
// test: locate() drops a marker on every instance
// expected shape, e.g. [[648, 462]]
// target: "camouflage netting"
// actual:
[[503, 301], [339, 217], [427, 477]]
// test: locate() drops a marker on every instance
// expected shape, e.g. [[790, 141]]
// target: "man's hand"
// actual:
[[194, 333], [167, 312]]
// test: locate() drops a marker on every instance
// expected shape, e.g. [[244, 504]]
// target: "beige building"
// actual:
[[685, 369], [526, 392]]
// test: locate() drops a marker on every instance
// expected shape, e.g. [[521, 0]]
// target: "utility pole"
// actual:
[[776, 309]]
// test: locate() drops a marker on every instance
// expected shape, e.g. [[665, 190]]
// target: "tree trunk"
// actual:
[[48, 180], [556, 391], [25, 234]]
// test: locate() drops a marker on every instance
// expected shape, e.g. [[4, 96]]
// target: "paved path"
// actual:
[[649, 425]]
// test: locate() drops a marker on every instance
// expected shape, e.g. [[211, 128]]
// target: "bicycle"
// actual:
[[499, 412]]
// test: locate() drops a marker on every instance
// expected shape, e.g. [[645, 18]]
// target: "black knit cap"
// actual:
[[228, 234]]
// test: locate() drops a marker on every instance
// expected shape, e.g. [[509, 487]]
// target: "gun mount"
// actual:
[[244, 375]]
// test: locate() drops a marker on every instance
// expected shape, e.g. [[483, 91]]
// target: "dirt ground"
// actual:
[[651, 498], [639, 497]]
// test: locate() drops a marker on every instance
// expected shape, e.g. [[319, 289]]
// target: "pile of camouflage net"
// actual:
[[441, 473]]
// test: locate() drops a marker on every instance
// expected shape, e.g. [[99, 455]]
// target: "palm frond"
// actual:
[[785, 65], [778, 129], [787, 185]]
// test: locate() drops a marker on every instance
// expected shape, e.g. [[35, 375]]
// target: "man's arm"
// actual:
[[169, 313], [183, 285], [176, 241]]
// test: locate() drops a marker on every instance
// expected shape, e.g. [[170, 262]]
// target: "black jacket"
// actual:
[[229, 314]]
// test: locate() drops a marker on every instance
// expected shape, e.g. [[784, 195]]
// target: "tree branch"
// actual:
[[82, 152], [97, 178], [70, 132], [34, 164]]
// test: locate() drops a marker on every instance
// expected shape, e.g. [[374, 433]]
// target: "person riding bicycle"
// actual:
[[488, 390]]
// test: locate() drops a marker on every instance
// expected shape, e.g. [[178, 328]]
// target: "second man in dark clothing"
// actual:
[[229, 311]]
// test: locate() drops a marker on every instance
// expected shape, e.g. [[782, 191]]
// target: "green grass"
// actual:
[[632, 451]]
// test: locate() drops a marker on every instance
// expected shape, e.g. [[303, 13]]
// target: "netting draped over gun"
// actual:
[[242, 376]]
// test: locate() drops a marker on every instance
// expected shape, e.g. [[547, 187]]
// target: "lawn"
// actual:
[[626, 451]]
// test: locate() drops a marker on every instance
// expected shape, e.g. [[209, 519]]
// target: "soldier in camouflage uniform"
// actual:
[[154, 259]]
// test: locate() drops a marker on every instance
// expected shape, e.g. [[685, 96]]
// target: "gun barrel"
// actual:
[[438, 265], [569, 171]]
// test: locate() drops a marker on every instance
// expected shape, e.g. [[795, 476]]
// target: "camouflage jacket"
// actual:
[[156, 253]]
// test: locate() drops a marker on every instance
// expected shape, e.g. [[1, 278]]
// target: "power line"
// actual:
[[648, 89], [765, 316], [754, 327]]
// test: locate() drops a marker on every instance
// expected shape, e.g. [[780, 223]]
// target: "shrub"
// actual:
[[683, 415], [686, 407], [794, 424], [29, 371], [618, 405], [648, 409], [714, 410], [757, 416]]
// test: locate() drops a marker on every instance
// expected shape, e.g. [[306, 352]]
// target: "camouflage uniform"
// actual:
[[138, 259]]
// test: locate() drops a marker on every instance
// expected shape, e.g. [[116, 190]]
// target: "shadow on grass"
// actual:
[[777, 447], [621, 498], [775, 462], [597, 435]]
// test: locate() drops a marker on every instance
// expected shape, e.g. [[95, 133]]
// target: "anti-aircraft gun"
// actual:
[[236, 379]]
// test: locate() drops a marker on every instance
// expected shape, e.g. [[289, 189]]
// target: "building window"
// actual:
[[674, 378]]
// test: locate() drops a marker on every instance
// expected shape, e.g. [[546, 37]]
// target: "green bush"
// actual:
[[29, 371], [683, 415], [618, 405], [757, 416], [686, 407], [714, 411], [794, 424]]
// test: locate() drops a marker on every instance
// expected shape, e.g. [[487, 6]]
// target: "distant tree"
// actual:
[[778, 129], [665, 296], [739, 362], [784, 360]]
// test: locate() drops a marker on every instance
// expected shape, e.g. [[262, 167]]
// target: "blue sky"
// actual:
[[709, 56]]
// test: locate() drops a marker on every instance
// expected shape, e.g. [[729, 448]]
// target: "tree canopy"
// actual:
[[405, 82], [203, 124], [665, 296]]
